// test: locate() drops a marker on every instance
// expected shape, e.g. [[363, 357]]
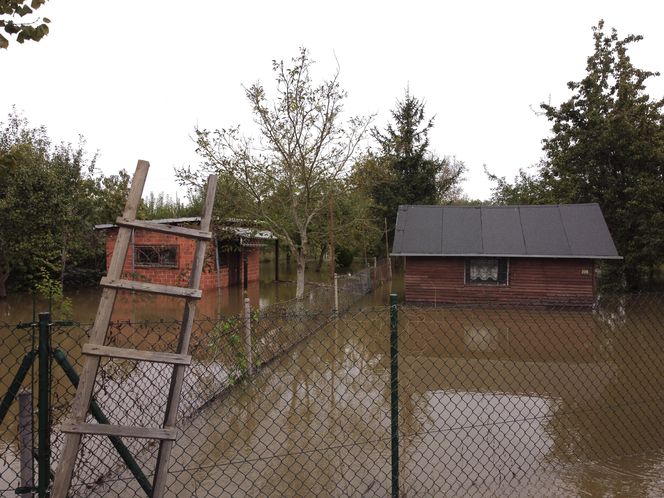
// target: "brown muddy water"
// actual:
[[21, 307], [143, 322], [491, 403]]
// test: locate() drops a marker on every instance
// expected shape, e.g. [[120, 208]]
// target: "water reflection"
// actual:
[[216, 302], [491, 401], [495, 402]]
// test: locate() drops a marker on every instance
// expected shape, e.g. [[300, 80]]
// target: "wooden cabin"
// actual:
[[232, 257], [502, 255]]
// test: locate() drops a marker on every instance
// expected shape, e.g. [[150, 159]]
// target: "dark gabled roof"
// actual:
[[551, 231]]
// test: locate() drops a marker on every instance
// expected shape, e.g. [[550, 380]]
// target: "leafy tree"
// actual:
[[50, 198], [346, 224], [528, 188], [24, 193], [160, 206], [404, 171], [111, 196], [26, 29], [607, 146], [301, 149]]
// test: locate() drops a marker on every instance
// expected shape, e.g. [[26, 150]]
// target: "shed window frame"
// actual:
[[502, 270], [161, 258]]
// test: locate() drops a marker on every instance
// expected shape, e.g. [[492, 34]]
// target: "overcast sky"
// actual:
[[136, 77]]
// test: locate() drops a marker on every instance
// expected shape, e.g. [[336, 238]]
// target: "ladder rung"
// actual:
[[166, 290], [191, 233], [120, 431], [136, 354]]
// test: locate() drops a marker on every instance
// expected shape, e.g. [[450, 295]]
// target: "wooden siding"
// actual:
[[543, 282]]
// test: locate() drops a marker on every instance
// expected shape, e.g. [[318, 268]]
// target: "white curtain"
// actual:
[[484, 269]]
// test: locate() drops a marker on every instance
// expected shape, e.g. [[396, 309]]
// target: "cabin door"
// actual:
[[234, 268]]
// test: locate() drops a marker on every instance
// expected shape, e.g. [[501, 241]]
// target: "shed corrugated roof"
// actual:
[[246, 232], [549, 231]]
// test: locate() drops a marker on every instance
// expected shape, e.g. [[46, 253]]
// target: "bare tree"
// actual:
[[301, 149]]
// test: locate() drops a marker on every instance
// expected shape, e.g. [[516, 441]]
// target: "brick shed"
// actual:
[[502, 255], [166, 259]]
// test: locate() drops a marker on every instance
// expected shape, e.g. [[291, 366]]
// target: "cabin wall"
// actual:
[[179, 276], [541, 282]]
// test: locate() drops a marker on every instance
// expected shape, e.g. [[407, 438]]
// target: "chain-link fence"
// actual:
[[296, 400]]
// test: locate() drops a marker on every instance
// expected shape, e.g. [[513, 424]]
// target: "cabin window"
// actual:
[[487, 271], [156, 256]]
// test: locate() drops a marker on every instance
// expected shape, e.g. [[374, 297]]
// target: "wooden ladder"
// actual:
[[75, 426]]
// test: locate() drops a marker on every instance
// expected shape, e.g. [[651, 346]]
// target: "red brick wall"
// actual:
[[178, 276], [253, 264], [532, 282]]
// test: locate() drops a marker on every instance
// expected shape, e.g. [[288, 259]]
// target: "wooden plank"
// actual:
[[135, 354], [120, 431], [166, 290], [25, 443], [81, 401], [170, 417], [191, 233], [532, 281]]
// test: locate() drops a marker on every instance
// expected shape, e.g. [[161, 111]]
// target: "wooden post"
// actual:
[[336, 293], [133, 252], [25, 442], [387, 254], [247, 337], [276, 260], [245, 265], [331, 242]]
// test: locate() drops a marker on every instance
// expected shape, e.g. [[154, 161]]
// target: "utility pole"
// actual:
[[331, 243]]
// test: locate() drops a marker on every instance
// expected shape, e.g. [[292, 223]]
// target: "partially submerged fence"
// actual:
[[490, 402], [225, 350]]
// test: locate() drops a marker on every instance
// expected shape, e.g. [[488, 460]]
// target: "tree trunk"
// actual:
[[301, 267], [319, 265], [332, 244]]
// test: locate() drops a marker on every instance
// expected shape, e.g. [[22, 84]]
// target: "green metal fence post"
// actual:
[[14, 387], [44, 451], [394, 389]]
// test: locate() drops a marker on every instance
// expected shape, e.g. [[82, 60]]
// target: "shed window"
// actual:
[[156, 256], [487, 271]]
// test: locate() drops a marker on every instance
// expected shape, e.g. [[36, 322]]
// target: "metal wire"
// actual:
[[492, 402]]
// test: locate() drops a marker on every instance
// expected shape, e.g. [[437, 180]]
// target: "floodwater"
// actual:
[[144, 322], [22, 307], [491, 403]]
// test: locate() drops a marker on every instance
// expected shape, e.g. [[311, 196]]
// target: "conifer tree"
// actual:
[[607, 146], [405, 171]]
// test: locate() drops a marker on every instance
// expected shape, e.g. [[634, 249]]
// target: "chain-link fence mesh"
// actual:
[[490, 402]]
